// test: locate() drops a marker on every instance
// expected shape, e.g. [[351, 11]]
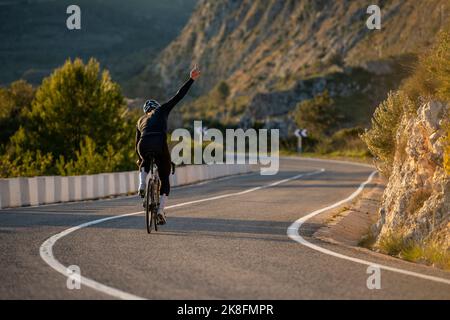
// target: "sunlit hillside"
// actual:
[[274, 54]]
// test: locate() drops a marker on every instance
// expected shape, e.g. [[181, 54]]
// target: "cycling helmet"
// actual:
[[150, 105]]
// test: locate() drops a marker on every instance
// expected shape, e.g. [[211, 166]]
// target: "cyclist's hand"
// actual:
[[195, 72], [138, 162]]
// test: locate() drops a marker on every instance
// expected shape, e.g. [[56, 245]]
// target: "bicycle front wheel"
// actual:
[[154, 206]]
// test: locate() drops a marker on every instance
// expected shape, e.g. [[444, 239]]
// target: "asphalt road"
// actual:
[[229, 247]]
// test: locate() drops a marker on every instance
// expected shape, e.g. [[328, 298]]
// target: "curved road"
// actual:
[[232, 246]]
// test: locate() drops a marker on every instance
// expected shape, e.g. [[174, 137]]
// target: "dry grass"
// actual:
[[407, 249], [431, 78], [391, 245], [447, 151], [368, 241], [438, 257], [337, 214]]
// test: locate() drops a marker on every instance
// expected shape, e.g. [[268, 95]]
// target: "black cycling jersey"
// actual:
[[151, 133], [156, 121]]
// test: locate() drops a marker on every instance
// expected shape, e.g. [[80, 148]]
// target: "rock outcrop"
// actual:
[[260, 45], [416, 201], [270, 51]]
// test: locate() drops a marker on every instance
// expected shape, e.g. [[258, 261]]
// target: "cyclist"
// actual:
[[151, 132]]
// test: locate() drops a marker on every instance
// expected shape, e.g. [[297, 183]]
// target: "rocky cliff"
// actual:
[[254, 44], [416, 201], [266, 49]]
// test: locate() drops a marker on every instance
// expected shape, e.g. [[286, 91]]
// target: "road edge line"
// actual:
[[293, 233]]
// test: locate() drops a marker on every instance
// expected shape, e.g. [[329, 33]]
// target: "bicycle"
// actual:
[[151, 199]]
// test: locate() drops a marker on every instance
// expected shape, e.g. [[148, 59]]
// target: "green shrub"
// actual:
[[437, 256], [221, 92], [381, 137], [412, 253], [77, 100], [89, 161], [431, 78], [319, 115], [344, 142], [26, 164], [391, 244], [78, 124], [15, 103]]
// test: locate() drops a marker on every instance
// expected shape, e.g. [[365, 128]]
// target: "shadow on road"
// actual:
[[177, 226]]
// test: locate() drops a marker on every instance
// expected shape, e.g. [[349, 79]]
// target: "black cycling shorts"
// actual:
[[156, 144]]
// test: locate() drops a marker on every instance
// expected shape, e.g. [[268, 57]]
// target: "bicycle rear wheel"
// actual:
[[154, 204], [148, 207]]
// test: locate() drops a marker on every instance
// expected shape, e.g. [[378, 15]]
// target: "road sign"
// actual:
[[303, 133], [300, 134]]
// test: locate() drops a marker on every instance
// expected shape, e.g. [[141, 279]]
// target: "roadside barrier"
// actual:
[[19, 192]]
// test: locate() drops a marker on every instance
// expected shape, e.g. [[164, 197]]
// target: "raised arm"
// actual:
[[168, 106]]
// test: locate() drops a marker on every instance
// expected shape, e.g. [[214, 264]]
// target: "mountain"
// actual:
[[123, 35], [274, 53]]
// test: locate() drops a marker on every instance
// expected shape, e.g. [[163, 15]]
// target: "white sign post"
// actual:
[[300, 134]]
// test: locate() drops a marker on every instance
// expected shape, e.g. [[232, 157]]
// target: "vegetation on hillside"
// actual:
[[319, 115], [15, 103], [430, 81], [275, 54], [326, 134], [260, 45], [76, 122]]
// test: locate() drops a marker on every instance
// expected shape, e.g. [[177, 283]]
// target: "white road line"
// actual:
[[46, 249], [46, 252], [293, 233], [360, 164], [202, 183]]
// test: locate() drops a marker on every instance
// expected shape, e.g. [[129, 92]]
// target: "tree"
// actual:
[[222, 91], [319, 115], [75, 101], [15, 103]]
